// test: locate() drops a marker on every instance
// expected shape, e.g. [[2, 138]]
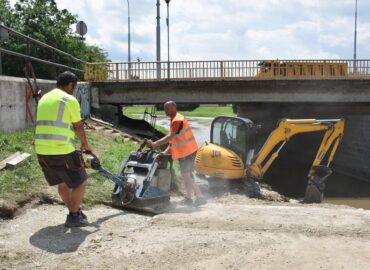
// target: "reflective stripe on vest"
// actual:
[[54, 124], [51, 137], [183, 142]]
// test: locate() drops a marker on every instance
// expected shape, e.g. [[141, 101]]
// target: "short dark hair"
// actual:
[[65, 78]]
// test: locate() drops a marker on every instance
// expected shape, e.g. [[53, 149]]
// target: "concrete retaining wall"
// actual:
[[14, 94]]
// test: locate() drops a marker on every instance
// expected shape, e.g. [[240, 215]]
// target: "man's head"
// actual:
[[170, 109], [67, 81]]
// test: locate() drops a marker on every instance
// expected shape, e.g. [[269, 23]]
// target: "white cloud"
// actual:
[[233, 29]]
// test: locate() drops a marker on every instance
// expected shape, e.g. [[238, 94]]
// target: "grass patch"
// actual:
[[202, 111], [27, 181]]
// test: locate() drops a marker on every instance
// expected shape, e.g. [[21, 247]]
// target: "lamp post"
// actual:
[[158, 41], [355, 41], [129, 40], [168, 39]]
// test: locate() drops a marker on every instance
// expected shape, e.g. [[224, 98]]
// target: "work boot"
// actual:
[[75, 220], [200, 201], [82, 214], [187, 201]]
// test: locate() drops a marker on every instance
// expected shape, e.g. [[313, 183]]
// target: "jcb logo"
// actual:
[[215, 153]]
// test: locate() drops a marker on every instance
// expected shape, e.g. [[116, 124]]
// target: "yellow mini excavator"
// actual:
[[231, 155]]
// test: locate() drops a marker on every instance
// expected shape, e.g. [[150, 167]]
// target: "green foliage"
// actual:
[[17, 141], [202, 111], [43, 21], [5, 12], [25, 181]]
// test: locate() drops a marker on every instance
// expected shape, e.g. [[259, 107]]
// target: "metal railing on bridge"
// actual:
[[229, 70]]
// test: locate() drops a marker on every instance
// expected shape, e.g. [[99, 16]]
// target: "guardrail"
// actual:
[[229, 70], [27, 55]]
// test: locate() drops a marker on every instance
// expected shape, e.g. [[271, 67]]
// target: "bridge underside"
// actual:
[[231, 91]]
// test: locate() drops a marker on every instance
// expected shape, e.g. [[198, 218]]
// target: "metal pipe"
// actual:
[[37, 59]]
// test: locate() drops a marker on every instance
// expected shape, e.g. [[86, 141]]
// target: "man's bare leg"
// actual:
[[188, 188], [192, 186], [72, 197], [76, 197], [65, 193]]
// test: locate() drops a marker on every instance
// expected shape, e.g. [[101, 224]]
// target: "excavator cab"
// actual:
[[236, 134], [231, 148]]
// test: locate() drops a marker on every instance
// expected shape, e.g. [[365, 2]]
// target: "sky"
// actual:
[[227, 30]]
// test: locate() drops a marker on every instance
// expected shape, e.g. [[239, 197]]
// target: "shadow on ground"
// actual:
[[59, 239]]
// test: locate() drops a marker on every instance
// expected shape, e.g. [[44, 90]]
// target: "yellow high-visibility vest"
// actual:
[[54, 133]]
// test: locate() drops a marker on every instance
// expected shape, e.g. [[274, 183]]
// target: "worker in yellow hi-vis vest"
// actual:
[[182, 147], [58, 121]]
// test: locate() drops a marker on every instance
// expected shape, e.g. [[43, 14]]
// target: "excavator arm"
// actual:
[[286, 129]]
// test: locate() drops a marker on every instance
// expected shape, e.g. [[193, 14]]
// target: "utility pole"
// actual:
[[129, 40], [158, 40], [355, 41], [168, 39]]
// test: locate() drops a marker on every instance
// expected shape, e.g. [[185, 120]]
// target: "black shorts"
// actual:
[[187, 163], [67, 169]]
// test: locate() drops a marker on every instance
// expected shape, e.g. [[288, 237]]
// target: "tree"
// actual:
[[43, 21], [5, 12]]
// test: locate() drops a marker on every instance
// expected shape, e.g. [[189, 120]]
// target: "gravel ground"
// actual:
[[230, 232]]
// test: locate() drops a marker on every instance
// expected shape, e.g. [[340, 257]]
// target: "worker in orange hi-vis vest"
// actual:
[[182, 147]]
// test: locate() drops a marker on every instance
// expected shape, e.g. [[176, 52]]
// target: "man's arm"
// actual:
[[80, 132], [175, 129], [161, 141]]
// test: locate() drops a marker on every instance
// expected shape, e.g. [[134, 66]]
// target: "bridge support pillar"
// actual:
[[108, 113]]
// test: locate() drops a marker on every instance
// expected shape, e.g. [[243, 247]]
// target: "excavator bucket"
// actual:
[[315, 186]]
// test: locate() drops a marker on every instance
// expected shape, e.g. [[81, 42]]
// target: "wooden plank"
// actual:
[[17, 161], [3, 162], [101, 121]]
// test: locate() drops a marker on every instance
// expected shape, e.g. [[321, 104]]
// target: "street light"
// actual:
[[129, 40], [158, 40], [168, 39], [355, 41]]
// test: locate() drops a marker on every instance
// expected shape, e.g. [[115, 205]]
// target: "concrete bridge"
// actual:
[[232, 91], [230, 81]]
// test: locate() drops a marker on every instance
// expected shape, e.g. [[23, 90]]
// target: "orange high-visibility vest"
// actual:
[[183, 143]]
